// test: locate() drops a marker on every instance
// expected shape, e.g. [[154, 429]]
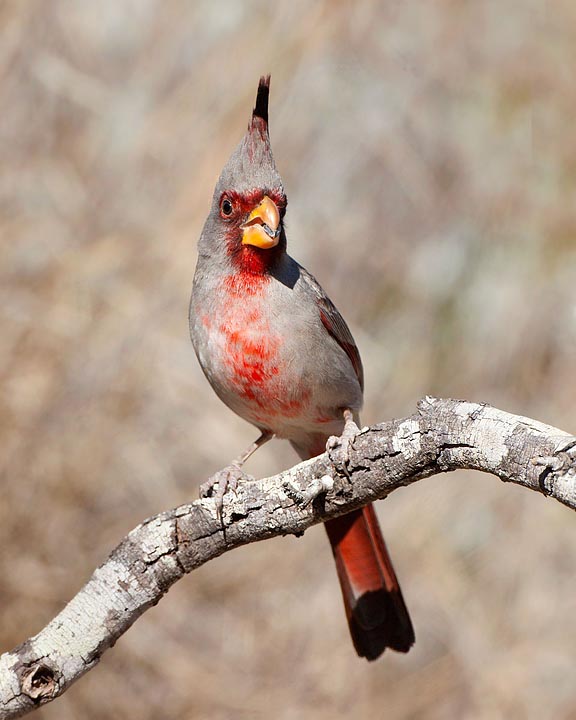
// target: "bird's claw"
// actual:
[[222, 481], [338, 448]]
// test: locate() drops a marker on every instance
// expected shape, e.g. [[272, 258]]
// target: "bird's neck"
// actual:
[[253, 261]]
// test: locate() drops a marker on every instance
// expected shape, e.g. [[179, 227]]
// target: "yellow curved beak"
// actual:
[[262, 229]]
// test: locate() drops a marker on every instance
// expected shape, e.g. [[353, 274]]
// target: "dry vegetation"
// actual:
[[430, 160]]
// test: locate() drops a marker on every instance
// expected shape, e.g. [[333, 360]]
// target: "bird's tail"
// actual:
[[377, 615], [376, 612]]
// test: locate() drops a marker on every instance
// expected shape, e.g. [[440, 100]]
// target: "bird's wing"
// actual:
[[334, 323]]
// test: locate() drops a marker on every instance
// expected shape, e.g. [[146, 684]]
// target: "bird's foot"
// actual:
[[222, 481], [338, 448]]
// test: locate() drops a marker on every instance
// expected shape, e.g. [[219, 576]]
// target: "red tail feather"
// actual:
[[376, 612]]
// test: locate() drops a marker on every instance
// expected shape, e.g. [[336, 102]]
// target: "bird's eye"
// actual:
[[226, 207]]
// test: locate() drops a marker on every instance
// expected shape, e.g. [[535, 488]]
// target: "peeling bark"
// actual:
[[443, 435]]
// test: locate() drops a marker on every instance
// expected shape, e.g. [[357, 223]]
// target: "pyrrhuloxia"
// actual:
[[279, 354]]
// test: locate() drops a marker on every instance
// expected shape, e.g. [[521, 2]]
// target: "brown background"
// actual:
[[429, 154]]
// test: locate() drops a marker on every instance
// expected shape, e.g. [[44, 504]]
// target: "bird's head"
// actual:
[[245, 225]]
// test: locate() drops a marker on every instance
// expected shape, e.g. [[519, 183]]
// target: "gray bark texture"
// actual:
[[443, 435]]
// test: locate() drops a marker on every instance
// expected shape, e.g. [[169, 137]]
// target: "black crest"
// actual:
[[261, 108]]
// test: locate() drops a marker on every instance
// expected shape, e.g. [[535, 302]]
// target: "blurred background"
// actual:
[[429, 156]]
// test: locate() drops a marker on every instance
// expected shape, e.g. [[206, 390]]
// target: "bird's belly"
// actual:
[[254, 373]]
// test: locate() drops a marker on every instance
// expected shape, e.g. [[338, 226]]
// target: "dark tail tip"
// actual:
[[380, 620], [261, 107]]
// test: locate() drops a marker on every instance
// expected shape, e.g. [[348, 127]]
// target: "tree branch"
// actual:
[[443, 435]]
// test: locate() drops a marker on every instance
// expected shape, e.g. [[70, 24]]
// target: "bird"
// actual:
[[278, 353]]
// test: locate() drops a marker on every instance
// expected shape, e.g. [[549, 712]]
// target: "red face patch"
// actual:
[[247, 258], [244, 203]]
